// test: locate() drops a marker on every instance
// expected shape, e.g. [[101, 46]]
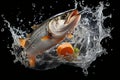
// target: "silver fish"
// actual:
[[50, 32]]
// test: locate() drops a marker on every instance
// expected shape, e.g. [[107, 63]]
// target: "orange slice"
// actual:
[[65, 49]]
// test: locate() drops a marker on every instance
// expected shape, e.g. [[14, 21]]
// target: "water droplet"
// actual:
[[17, 19], [33, 5], [43, 7], [2, 30], [94, 66], [69, 5], [111, 49], [76, 3], [8, 46], [56, 1], [51, 6], [85, 71], [29, 22], [40, 17], [2, 15], [107, 4], [83, 1], [21, 20]]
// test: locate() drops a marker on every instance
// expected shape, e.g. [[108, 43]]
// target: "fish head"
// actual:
[[64, 23]]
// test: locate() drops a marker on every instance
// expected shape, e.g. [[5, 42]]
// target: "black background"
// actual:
[[104, 68]]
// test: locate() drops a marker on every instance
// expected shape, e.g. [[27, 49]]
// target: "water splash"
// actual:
[[87, 38], [2, 29]]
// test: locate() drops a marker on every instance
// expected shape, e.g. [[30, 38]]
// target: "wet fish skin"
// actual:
[[49, 34]]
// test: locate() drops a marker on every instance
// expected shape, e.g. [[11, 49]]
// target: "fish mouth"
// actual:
[[72, 21], [74, 16], [68, 25]]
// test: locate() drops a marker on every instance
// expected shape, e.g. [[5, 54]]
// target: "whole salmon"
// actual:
[[50, 32]]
